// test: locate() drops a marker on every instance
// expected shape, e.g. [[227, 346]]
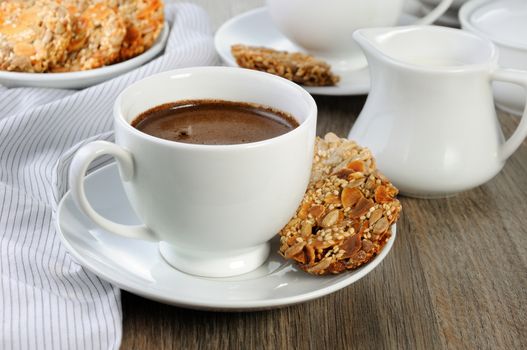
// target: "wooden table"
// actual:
[[456, 277]]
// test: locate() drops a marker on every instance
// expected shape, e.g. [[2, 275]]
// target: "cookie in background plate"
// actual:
[[346, 215], [98, 33], [144, 21], [295, 66], [34, 35]]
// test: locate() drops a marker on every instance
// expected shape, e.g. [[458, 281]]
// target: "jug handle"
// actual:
[[435, 13], [517, 77]]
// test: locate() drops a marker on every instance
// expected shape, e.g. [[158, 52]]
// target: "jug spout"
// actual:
[[372, 40]]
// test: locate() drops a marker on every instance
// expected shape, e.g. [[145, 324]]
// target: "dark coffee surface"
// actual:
[[214, 122]]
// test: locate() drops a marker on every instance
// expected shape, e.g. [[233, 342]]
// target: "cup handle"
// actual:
[[435, 13], [517, 77], [78, 167]]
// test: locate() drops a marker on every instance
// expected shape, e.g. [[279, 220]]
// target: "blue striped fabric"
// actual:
[[48, 301]]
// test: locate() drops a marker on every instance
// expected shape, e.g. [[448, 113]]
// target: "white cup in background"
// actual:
[[325, 28]]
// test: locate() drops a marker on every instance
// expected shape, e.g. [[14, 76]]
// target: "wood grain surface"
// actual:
[[455, 279]]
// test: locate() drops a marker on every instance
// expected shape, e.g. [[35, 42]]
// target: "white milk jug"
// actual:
[[429, 118]]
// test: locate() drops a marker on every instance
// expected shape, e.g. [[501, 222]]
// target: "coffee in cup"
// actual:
[[214, 122]]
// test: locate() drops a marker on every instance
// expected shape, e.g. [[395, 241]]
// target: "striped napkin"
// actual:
[[48, 301]]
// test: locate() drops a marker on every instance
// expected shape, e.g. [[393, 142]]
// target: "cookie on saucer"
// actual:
[[346, 215]]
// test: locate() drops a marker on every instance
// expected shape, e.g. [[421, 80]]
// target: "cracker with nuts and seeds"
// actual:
[[98, 33], [144, 21], [33, 35], [346, 215], [299, 67]]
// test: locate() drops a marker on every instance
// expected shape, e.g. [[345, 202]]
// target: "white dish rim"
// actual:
[[465, 13]]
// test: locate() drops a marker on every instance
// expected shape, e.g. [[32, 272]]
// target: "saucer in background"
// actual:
[[256, 28], [138, 267]]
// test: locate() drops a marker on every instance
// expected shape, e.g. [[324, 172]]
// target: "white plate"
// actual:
[[256, 28], [82, 79], [137, 266]]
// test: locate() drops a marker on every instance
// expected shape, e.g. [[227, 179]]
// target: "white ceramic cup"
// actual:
[[213, 208], [325, 28]]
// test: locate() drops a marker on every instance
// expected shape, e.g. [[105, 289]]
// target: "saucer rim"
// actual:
[[224, 305]]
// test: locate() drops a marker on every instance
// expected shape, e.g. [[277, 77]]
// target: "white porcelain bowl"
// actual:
[[505, 23], [83, 79]]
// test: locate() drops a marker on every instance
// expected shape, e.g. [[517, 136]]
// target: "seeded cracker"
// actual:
[[42, 36], [346, 215], [298, 67], [144, 21], [98, 33], [33, 35]]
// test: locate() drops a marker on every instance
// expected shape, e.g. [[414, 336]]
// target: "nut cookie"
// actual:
[[333, 153], [346, 215], [144, 21], [295, 66], [79, 25], [98, 32], [34, 35]]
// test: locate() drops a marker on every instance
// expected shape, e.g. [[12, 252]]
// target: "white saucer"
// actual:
[[137, 266], [256, 28], [83, 79]]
